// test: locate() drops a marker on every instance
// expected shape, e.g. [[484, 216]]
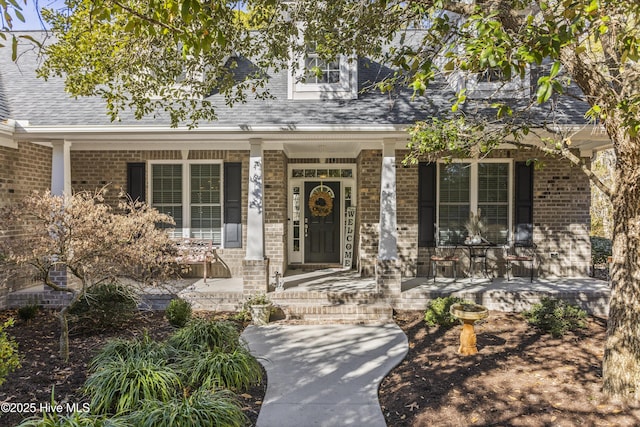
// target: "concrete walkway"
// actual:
[[324, 375]]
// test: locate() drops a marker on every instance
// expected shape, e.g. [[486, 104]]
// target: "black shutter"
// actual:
[[232, 205], [426, 204], [524, 201], [136, 181]]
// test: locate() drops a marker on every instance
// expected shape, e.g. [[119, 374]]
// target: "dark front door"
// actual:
[[322, 222]]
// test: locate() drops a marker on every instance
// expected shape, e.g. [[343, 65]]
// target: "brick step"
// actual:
[[214, 301], [320, 298], [375, 313]]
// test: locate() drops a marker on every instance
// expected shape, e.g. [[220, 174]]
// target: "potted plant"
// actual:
[[260, 308], [475, 227]]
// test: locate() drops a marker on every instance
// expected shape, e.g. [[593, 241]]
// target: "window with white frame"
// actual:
[[192, 194], [472, 186], [318, 78]]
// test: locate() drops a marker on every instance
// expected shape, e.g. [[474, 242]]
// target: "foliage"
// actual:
[[9, 359], [74, 419], [28, 312], [600, 250], [437, 312], [94, 242], [235, 370], [178, 312], [555, 316], [118, 386], [204, 334], [474, 225], [117, 350], [257, 299], [202, 408], [105, 305]]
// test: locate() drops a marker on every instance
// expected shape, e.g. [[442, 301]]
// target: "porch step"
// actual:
[[333, 308], [213, 301]]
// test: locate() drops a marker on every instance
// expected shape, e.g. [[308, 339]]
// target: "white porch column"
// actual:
[[255, 266], [255, 211], [388, 247], [61, 168], [388, 268]]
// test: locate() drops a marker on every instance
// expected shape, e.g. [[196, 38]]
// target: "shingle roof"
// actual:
[[25, 97]]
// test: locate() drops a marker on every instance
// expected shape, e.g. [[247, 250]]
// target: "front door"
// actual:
[[322, 222]]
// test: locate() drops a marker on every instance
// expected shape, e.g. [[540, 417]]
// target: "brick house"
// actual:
[[246, 180]]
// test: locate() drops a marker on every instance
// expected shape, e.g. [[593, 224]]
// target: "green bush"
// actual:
[[600, 250], [203, 335], [119, 386], [143, 347], [178, 312], [555, 316], [106, 305], [438, 311], [202, 409], [74, 419], [237, 370], [28, 312], [9, 359]]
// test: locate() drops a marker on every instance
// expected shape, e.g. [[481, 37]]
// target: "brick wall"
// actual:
[[275, 211], [561, 218], [407, 215], [22, 171], [369, 163], [91, 170]]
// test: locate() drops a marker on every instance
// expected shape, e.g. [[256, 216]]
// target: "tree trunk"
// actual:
[[64, 335], [621, 365]]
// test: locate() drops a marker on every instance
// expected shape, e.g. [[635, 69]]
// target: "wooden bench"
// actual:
[[192, 251]]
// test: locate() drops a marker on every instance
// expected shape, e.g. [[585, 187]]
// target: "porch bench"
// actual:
[[193, 251]]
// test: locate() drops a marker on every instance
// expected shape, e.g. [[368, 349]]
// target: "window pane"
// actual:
[[493, 199], [205, 184], [454, 204], [206, 210], [166, 181]]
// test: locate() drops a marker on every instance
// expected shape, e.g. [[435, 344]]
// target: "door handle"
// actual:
[[306, 227]]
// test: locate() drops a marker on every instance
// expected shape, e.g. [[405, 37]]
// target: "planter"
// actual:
[[260, 314], [468, 315]]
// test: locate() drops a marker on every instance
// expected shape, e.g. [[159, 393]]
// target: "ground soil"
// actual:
[[42, 370], [520, 377]]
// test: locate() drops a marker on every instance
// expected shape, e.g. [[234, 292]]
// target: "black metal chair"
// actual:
[[444, 255], [521, 249]]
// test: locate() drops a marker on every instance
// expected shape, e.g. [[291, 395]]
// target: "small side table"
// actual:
[[478, 253]]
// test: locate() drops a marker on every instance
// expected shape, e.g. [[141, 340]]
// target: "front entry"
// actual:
[[322, 222]]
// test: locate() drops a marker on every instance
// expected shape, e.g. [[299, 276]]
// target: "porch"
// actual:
[[337, 295]]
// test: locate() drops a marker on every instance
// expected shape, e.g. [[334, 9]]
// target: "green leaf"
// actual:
[[544, 92], [555, 68]]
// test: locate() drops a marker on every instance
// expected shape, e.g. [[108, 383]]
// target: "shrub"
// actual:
[[9, 359], [106, 305], [203, 334], [202, 409], [600, 250], [120, 385], [120, 349], [438, 311], [237, 370], [28, 312], [74, 419], [555, 316], [178, 312]]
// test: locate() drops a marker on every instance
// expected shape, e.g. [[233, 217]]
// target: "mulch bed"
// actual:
[[520, 377], [43, 372]]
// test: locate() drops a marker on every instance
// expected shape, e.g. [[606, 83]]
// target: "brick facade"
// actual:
[[22, 171], [91, 170], [275, 212], [560, 214]]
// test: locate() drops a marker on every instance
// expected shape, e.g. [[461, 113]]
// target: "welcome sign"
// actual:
[[349, 235]]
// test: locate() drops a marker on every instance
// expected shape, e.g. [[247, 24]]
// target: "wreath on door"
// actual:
[[320, 202]]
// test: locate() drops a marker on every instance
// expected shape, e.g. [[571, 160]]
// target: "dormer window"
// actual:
[[491, 83], [319, 78]]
